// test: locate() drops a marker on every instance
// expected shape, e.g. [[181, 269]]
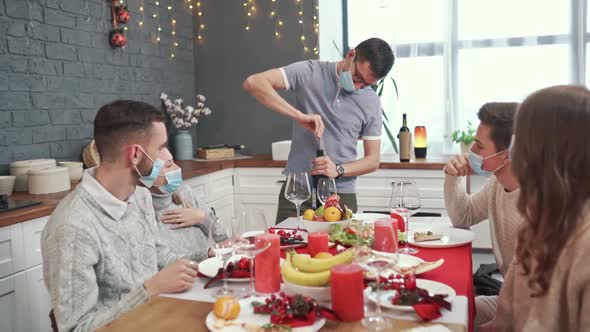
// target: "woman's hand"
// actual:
[[183, 217]]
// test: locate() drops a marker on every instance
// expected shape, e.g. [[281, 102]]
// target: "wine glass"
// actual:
[[297, 190], [376, 263], [326, 187], [250, 249], [223, 250], [405, 201]]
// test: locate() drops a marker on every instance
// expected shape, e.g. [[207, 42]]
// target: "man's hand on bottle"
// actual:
[[458, 166], [324, 166]]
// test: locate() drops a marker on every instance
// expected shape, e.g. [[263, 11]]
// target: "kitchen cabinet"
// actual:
[[24, 300], [257, 189]]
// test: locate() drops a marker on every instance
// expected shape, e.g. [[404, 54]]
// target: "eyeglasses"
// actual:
[[358, 78]]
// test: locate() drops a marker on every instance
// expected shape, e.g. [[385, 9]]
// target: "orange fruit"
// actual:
[[323, 255], [226, 307], [332, 214]]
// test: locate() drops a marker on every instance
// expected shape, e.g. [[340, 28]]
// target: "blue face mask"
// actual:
[[173, 179], [346, 81], [149, 180], [476, 163]]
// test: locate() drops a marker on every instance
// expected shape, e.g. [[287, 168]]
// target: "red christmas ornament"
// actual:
[[123, 15], [118, 39]]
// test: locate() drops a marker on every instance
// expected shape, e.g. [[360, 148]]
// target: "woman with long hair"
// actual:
[[548, 284]]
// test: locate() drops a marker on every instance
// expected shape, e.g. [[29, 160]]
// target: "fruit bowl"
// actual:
[[320, 294], [324, 226]]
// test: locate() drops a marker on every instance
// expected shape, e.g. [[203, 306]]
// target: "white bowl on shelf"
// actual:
[[324, 226], [7, 184], [320, 294], [75, 169]]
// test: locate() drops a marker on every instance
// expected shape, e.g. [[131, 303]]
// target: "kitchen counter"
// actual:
[[191, 169]]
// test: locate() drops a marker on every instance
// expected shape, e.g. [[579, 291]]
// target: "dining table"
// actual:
[[187, 311]]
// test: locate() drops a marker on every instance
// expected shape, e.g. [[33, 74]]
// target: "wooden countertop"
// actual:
[[191, 169], [166, 314]]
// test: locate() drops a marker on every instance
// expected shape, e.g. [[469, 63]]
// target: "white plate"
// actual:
[[210, 266], [433, 288], [369, 217], [405, 261], [452, 237], [247, 315], [303, 235]]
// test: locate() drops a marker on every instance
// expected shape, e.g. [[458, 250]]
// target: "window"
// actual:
[[452, 56]]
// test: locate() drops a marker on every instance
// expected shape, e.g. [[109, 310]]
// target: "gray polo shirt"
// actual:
[[347, 117]]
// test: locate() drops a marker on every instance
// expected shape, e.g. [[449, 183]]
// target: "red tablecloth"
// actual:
[[455, 272]]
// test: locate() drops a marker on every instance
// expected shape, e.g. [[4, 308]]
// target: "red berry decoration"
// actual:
[[118, 39], [410, 282], [123, 15]]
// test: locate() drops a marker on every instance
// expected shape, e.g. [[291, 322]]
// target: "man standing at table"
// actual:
[[496, 202], [101, 251], [335, 107]]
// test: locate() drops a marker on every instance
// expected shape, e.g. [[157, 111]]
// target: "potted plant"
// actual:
[[183, 118], [464, 137]]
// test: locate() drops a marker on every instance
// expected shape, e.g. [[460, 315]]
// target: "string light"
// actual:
[[250, 7], [275, 14], [156, 15], [172, 32], [300, 20], [141, 10], [316, 27], [201, 25]]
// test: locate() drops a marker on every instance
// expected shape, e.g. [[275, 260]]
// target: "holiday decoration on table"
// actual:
[[120, 15], [292, 310]]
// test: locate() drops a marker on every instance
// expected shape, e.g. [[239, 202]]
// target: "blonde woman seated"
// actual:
[[547, 287], [183, 218]]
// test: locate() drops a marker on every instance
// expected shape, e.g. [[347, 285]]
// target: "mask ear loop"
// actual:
[[503, 164], [147, 155]]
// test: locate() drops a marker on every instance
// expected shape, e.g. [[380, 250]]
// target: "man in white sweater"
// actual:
[[102, 255], [497, 201]]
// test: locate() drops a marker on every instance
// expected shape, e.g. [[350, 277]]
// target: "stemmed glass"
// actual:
[[376, 262], [326, 187], [250, 249], [297, 191], [224, 250], [405, 201]]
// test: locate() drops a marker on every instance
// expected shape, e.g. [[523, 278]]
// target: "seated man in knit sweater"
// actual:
[[183, 218], [102, 255], [497, 201]]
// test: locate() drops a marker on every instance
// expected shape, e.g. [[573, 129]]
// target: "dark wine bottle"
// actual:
[[315, 203], [405, 141]]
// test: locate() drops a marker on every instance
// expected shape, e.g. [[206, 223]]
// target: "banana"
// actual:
[[302, 278], [305, 263]]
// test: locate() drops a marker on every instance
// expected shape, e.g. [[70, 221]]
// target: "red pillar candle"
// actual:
[[394, 225], [384, 240], [267, 267], [346, 282], [316, 243]]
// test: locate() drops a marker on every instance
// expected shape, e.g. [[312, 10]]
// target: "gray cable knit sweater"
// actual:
[[188, 240], [97, 253]]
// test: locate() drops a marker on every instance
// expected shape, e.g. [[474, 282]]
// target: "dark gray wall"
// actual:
[[57, 69], [229, 54]]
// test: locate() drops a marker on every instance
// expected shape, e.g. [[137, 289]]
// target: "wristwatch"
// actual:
[[340, 170]]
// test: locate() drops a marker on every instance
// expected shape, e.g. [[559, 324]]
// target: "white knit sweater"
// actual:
[[492, 203]]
